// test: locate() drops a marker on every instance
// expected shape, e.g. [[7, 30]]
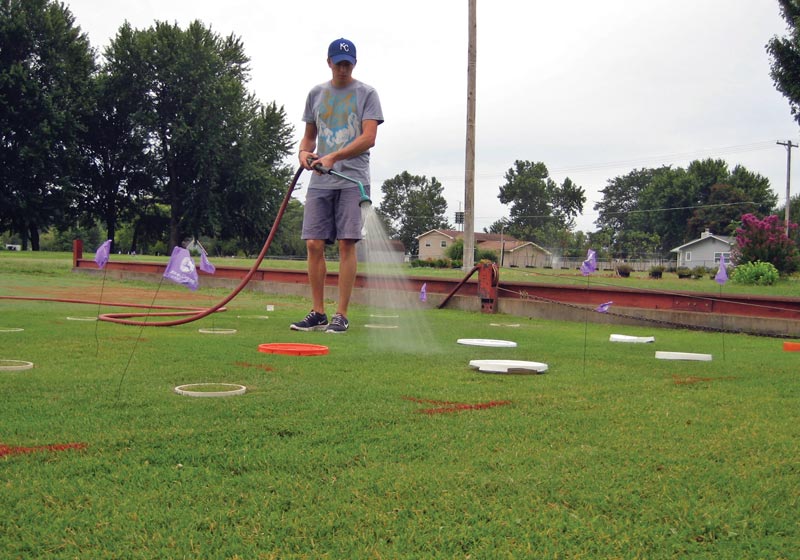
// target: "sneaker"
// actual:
[[313, 322], [338, 324]]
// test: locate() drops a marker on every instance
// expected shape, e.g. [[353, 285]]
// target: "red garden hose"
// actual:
[[194, 315]]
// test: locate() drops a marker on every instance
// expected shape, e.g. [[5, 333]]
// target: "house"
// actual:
[[381, 251], [515, 253], [433, 244], [705, 251]]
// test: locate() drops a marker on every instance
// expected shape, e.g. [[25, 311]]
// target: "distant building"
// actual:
[[517, 253], [392, 251], [705, 251], [433, 244]]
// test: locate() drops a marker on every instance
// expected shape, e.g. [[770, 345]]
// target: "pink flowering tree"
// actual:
[[766, 241]]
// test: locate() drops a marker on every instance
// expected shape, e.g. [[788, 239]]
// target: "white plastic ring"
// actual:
[[217, 331], [189, 390], [81, 318], [15, 365], [631, 339], [683, 356], [10, 329]]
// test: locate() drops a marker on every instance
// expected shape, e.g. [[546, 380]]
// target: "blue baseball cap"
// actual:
[[342, 50]]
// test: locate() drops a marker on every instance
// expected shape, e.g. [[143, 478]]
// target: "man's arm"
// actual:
[[307, 145]]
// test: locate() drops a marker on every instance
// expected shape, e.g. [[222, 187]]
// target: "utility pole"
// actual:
[[469, 166], [789, 147]]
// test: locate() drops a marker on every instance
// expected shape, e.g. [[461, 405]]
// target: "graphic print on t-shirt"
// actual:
[[338, 122]]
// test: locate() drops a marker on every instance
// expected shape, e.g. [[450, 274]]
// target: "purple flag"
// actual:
[[101, 255], [590, 264], [181, 269], [603, 307], [423, 294], [722, 273], [206, 266]]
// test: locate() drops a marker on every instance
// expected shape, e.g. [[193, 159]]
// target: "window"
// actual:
[[717, 257], [687, 256], [444, 243], [427, 243]]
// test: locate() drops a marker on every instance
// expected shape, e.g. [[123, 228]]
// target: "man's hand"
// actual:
[[306, 158]]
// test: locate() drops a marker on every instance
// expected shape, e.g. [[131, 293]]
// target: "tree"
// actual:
[[669, 206], [794, 212], [619, 209], [412, 205], [722, 212], [785, 57], [216, 151], [45, 68], [541, 210], [118, 176], [766, 241], [287, 241]]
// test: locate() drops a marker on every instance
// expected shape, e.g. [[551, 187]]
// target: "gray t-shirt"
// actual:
[[338, 113]]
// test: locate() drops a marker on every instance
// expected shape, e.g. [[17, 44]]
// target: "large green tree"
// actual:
[[541, 209], [118, 177], [45, 68], [215, 151], [785, 57], [412, 205], [665, 207]]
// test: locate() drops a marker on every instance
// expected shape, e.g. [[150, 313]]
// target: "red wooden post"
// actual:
[[77, 251], [488, 278]]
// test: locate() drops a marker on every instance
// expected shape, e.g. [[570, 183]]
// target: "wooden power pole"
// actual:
[[469, 167], [789, 147]]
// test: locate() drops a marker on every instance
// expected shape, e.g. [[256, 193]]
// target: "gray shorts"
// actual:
[[332, 214]]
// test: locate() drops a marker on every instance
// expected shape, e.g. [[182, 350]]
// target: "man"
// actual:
[[342, 118]]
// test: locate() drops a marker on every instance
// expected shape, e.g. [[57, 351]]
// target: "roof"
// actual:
[[723, 238], [511, 246], [479, 236]]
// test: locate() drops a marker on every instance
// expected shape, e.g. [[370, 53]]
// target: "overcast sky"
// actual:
[[593, 89]]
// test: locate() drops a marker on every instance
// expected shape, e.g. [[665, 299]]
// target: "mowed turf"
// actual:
[[385, 452]]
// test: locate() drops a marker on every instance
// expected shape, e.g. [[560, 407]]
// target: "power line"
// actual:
[[709, 152]]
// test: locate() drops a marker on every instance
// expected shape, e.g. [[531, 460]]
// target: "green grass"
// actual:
[[610, 454]]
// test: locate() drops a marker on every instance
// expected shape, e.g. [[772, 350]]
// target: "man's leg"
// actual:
[[317, 270], [348, 266]]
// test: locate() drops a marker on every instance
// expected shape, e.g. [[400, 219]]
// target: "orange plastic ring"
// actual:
[[791, 346], [293, 349]]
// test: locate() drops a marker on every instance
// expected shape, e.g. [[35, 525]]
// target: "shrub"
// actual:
[[683, 272], [486, 255], [624, 270], [699, 272], [656, 271], [456, 250], [755, 273], [766, 241]]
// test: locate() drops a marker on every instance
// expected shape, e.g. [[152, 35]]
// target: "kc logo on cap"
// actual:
[[342, 50]]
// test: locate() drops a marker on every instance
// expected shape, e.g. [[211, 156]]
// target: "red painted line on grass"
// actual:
[[450, 407], [6, 450]]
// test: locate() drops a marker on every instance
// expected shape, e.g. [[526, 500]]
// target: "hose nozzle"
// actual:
[[365, 201]]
